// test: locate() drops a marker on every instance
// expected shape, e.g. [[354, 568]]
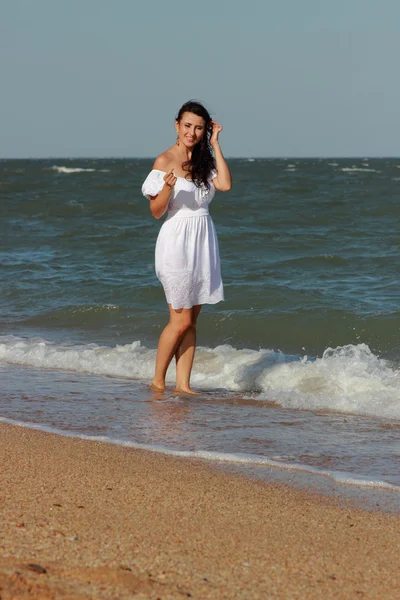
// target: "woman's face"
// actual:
[[190, 129]]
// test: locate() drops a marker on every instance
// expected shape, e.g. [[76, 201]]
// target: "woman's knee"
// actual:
[[183, 325], [184, 320], [187, 326]]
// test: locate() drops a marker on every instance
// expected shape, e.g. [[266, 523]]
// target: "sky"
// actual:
[[95, 78]]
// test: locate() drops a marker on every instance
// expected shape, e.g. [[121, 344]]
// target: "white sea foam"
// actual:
[[356, 169], [226, 457], [348, 379], [62, 169]]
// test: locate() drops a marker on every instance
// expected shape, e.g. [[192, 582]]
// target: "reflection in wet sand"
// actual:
[[168, 415]]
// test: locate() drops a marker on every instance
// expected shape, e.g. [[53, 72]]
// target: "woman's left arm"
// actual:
[[223, 181]]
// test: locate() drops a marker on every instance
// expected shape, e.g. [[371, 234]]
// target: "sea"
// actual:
[[298, 370]]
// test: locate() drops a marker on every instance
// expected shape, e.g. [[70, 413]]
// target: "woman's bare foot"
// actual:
[[186, 390], [157, 387]]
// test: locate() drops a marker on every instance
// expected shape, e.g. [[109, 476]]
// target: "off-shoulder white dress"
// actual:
[[187, 256]]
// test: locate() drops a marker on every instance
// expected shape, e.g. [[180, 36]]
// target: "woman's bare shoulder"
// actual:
[[165, 161]]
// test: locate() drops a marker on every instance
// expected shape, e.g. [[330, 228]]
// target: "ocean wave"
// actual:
[[355, 169], [331, 259], [346, 379], [62, 169]]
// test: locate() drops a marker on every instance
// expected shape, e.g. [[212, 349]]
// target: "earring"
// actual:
[[177, 140]]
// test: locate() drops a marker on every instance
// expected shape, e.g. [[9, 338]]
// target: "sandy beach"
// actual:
[[83, 519]]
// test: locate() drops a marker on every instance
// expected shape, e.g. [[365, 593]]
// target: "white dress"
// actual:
[[187, 256]]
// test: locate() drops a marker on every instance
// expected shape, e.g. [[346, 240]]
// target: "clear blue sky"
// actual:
[[284, 77]]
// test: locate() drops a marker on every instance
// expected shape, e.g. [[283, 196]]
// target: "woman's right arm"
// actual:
[[159, 203]]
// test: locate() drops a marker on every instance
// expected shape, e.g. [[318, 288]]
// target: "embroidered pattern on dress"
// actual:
[[182, 292]]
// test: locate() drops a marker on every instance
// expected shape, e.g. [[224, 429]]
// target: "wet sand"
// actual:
[[83, 520]]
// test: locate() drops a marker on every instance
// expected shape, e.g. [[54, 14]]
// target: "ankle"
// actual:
[[158, 383], [182, 385]]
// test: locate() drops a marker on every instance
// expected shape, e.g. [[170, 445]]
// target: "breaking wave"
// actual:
[[347, 379]]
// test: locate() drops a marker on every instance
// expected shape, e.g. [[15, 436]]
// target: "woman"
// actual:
[[183, 182]]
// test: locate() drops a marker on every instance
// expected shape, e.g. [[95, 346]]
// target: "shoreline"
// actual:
[[357, 493], [110, 521]]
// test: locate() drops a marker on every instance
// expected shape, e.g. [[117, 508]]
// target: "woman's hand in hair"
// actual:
[[216, 130]]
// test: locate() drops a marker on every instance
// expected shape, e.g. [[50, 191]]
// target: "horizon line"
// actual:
[[254, 157]]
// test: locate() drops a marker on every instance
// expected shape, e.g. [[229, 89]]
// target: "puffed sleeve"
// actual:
[[153, 184]]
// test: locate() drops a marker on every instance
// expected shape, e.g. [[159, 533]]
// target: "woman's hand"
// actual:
[[170, 179], [216, 129], [223, 180]]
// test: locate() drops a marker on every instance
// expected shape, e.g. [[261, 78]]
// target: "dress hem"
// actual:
[[199, 304]]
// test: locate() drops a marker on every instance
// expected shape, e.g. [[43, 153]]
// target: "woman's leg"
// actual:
[[184, 354], [179, 322]]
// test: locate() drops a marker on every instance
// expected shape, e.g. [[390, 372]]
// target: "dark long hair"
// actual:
[[202, 161]]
